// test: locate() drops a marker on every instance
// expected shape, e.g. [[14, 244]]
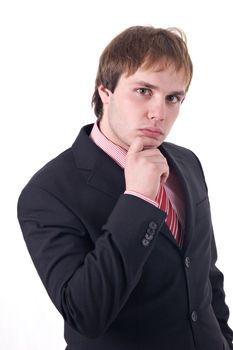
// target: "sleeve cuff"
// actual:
[[139, 195]]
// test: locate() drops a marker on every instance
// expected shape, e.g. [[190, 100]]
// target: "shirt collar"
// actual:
[[117, 153]]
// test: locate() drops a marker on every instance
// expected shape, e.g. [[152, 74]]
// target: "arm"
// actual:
[[88, 283]]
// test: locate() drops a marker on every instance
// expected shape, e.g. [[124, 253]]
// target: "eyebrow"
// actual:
[[154, 87]]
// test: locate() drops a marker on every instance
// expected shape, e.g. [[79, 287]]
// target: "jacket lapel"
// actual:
[[102, 172]]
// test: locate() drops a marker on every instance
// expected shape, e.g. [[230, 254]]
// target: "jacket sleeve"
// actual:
[[88, 283]]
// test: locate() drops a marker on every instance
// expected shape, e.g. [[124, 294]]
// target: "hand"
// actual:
[[146, 168]]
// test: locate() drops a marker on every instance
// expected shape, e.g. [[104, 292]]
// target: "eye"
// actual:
[[144, 91], [173, 99]]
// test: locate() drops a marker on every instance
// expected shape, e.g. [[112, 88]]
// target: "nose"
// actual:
[[157, 109]]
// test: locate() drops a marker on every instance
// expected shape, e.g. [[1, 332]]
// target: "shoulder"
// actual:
[[53, 172], [186, 157], [181, 152], [63, 168], [178, 150]]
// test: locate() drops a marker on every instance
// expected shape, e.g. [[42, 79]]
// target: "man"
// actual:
[[118, 226]]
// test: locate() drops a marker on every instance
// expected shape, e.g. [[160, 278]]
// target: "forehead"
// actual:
[[166, 76]]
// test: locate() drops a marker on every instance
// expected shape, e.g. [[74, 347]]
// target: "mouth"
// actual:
[[154, 133]]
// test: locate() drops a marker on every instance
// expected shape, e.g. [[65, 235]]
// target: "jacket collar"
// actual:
[[104, 174]]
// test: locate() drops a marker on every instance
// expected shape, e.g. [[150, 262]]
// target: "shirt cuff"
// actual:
[[139, 195]]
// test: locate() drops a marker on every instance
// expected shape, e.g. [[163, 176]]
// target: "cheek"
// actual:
[[131, 102], [171, 118]]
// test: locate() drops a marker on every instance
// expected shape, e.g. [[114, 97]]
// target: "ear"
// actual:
[[105, 94]]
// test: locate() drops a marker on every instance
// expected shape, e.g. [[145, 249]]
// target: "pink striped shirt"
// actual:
[[118, 154]]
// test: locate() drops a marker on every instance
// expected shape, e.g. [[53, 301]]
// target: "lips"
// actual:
[[152, 132]]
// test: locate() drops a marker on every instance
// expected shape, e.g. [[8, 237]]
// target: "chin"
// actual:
[[158, 143]]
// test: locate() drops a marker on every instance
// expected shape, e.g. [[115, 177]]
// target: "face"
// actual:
[[145, 104]]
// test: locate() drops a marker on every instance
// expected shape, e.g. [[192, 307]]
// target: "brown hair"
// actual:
[[140, 46]]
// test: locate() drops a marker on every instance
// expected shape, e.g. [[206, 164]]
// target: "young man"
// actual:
[[119, 226]]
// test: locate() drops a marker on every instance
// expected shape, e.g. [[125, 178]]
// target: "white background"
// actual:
[[48, 59]]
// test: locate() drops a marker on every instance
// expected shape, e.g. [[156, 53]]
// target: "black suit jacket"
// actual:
[[86, 239]]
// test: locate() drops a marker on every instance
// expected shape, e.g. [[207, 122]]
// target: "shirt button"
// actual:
[[187, 262], [194, 316]]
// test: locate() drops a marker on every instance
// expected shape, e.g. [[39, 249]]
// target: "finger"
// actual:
[[136, 146], [162, 164], [164, 177], [141, 143]]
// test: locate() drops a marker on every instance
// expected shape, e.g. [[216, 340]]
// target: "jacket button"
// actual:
[[194, 316], [145, 242], [150, 231], [153, 225], [149, 237], [187, 262]]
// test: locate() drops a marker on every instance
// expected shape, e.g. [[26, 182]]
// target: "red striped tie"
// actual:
[[172, 219]]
